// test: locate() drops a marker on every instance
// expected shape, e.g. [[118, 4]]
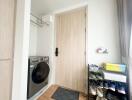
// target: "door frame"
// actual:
[[86, 34], [21, 45]]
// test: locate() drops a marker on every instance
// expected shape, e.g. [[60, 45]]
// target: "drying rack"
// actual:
[[38, 21]]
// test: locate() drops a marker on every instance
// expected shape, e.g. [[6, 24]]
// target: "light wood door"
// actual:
[[7, 9], [5, 80], [7, 20], [70, 41]]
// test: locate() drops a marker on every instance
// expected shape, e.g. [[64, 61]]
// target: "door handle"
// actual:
[[56, 52]]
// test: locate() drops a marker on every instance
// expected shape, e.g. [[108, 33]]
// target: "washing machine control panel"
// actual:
[[36, 59]]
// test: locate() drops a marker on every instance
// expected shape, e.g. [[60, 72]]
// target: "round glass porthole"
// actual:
[[40, 72]]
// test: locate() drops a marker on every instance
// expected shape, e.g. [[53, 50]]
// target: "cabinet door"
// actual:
[[7, 13], [5, 80]]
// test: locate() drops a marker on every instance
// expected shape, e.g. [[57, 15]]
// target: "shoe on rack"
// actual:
[[98, 98], [93, 68], [112, 86], [100, 92], [92, 76], [100, 84], [99, 76], [106, 85], [92, 90], [121, 88], [103, 99], [111, 96]]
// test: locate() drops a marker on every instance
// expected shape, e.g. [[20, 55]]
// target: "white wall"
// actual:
[[103, 31], [33, 40], [130, 67], [44, 41], [129, 18]]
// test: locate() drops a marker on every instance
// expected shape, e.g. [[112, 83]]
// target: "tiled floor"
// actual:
[[48, 94]]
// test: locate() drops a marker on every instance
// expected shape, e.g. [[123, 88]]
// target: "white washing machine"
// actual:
[[38, 72]]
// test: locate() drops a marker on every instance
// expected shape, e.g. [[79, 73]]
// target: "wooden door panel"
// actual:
[[5, 80], [70, 39], [7, 10], [7, 20]]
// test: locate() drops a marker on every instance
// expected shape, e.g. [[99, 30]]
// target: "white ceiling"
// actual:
[[47, 6]]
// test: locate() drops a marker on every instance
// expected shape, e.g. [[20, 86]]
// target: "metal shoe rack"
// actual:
[[100, 84]]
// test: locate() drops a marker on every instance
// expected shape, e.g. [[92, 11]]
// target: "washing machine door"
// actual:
[[40, 72]]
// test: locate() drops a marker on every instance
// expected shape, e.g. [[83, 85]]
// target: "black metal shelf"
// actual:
[[108, 90]]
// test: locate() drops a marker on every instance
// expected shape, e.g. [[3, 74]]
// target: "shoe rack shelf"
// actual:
[[102, 88]]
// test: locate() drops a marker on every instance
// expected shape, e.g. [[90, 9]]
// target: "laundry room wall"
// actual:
[[33, 38], [44, 37]]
